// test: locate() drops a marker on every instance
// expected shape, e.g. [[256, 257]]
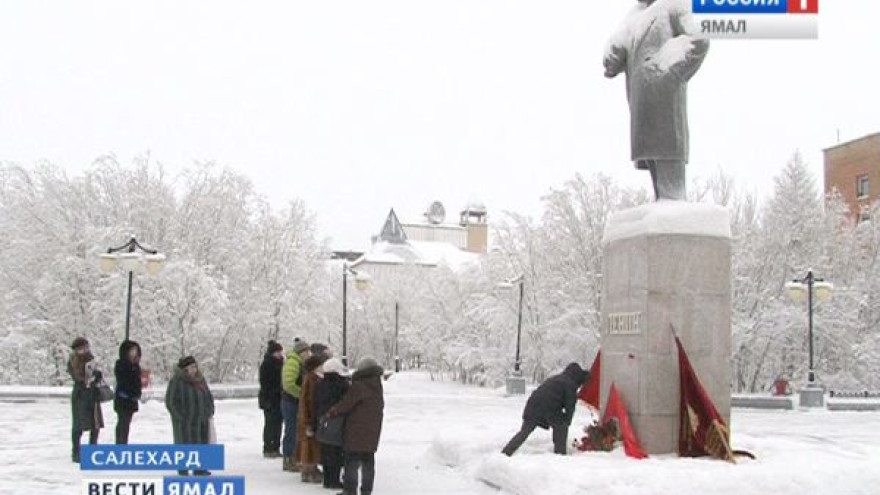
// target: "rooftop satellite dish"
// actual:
[[436, 213]]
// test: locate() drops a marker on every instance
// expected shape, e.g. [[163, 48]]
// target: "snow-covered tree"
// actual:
[[238, 272]]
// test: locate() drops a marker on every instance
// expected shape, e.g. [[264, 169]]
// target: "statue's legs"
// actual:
[[668, 178]]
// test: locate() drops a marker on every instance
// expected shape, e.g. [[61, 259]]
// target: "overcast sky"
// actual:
[[358, 106]]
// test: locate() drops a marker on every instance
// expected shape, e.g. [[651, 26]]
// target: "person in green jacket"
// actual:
[[291, 381], [191, 405]]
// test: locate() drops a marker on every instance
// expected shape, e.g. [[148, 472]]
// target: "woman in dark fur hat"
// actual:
[[191, 405]]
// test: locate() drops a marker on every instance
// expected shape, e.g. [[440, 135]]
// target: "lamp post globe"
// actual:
[[131, 257]]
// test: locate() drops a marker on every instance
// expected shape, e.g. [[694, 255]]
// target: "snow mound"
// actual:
[[523, 476], [669, 217], [446, 452]]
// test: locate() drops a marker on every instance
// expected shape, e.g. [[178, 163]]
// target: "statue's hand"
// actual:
[[610, 73], [614, 62]]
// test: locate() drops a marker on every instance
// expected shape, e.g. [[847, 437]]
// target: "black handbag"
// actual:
[[105, 392], [330, 430]]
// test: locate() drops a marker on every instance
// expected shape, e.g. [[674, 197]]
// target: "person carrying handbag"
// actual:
[[84, 398], [328, 392]]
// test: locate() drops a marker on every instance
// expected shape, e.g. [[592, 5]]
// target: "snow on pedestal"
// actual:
[[669, 217], [667, 264]]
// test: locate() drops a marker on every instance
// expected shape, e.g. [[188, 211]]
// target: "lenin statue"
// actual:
[[658, 47]]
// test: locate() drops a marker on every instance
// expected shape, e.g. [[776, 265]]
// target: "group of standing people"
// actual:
[[85, 397], [188, 398], [308, 385], [297, 392]]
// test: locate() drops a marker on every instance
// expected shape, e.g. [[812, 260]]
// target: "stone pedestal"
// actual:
[[667, 265], [811, 396], [516, 385]]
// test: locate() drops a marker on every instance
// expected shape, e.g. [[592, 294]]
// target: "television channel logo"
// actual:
[[756, 19]]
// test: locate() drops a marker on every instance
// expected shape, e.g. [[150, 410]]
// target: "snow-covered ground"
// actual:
[[443, 438]]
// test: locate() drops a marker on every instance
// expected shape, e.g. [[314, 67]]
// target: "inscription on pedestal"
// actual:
[[624, 323]]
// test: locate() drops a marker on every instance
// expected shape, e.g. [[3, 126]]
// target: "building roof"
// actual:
[[392, 231], [436, 226], [421, 253], [475, 206], [852, 141], [393, 247]]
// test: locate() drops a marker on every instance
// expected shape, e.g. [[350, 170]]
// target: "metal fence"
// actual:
[[853, 394]]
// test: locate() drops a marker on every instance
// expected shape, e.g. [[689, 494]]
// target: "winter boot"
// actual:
[[77, 439], [310, 474], [287, 464], [317, 476], [331, 478]]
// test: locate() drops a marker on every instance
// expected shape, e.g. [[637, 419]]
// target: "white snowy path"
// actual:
[[442, 438]]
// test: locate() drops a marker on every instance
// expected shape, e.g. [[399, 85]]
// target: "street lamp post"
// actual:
[[516, 365], [396, 337], [361, 281], [345, 314], [131, 258], [812, 395], [516, 384]]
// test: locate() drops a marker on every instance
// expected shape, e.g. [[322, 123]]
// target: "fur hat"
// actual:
[[126, 346], [299, 346], [367, 363], [318, 348], [273, 347], [314, 362], [79, 342], [334, 365], [186, 361]]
